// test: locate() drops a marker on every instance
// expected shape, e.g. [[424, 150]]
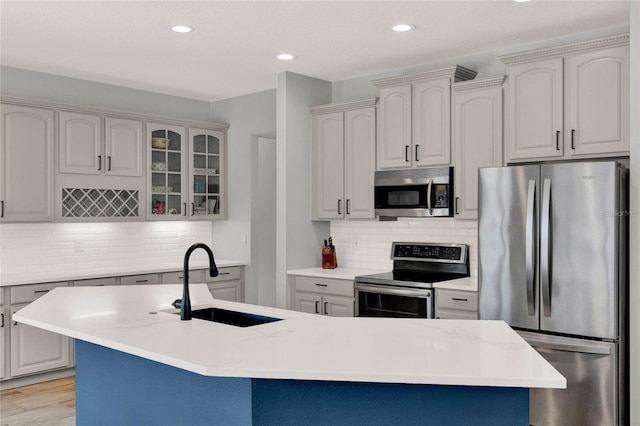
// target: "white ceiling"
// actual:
[[232, 51]]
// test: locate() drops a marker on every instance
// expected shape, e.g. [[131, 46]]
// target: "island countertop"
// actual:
[[139, 320]]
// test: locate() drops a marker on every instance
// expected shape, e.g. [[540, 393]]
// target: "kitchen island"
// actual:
[[137, 363]]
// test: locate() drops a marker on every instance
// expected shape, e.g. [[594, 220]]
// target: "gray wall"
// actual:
[[299, 238], [250, 116], [38, 85]]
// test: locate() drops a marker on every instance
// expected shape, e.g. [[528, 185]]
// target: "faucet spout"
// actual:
[[185, 305]]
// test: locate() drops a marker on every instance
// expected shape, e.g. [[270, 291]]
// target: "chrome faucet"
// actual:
[[185, 303]]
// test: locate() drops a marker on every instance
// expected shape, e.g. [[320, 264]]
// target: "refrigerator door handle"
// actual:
[[570, 347], [530, 246], [545, 248]]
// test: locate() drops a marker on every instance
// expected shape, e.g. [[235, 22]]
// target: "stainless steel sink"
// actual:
[[239, 319]]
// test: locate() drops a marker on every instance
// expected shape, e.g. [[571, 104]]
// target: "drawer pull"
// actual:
[[40, 291], [459, 299], [142, 281], [224, 273], [321, 285]]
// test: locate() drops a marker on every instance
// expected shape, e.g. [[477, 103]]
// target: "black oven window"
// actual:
[[391, 306]]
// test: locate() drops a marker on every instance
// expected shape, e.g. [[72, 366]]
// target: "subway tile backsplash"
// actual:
[[83, 247], [367, 243]]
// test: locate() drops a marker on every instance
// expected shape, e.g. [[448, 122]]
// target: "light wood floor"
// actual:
[[49, 403]]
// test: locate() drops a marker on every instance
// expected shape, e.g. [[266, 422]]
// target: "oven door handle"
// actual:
[[423, 293]]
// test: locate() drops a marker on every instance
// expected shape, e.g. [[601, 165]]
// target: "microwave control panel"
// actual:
[[441, 196]]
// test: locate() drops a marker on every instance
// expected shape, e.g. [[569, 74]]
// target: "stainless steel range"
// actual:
[[407, 291]]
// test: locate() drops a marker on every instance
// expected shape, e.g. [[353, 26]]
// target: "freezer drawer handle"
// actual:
[[569, 347], [530, 247]]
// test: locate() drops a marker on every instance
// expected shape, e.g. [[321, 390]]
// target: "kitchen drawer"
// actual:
[[454, 299], [1, 297], [455, 314], [95, 282], [195, 276], [141, 279], [29, 293], [324, 285], [226, 274]]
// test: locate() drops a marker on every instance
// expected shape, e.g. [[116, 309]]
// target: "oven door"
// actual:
[[393, 302]]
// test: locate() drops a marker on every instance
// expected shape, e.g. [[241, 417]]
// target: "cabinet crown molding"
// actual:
[[565, 49], [479, 83], [343, 106], [16, 100], [456, 72]]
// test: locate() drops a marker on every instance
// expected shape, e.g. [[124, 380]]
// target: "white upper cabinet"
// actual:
[[597, 107], [431, 122], [569, 101], [415, 118], [477, 138], [82, 150], [343, 160], [26, 158], [206, 178], [535, 109], [123, 147], [80, 143], [395, 127]]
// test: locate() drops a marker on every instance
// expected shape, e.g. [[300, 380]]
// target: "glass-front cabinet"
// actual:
[[186, 169], [167, 164], [206, 166]]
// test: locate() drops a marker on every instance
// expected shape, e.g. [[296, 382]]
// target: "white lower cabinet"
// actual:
[[322, 296], [456, 304], [33, 350], [3, 322], [228, 285]]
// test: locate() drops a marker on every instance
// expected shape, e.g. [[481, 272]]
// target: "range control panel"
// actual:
[[454, 253]]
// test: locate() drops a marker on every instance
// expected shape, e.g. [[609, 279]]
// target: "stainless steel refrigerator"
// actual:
[[552, 248]]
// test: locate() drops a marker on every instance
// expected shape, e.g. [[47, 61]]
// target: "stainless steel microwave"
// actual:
[[424, 192]]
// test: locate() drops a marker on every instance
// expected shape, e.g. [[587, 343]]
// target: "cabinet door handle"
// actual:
[[339, 206], [184, 211], [557, 140], [99, 162], [456, 206], [109, 163], [406, 153], [2, 209], [573, 134], [321, 285], [326, 312], [193, 209], [460, 299], [142, 281], [317, 306], [2, 324], [348, 206], [417, 158]]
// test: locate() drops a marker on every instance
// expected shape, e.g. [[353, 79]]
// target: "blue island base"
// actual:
[[115, 388]]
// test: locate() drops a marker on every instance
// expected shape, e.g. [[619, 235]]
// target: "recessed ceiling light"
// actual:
[[521, 1], [182, 29], [403, 27], [286, 56]]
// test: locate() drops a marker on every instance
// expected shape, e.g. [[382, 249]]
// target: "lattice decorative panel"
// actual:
[[78, 202]]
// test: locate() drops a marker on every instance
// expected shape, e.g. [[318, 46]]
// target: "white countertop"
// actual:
[[301, 347], [466, 284], [112, 271]]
